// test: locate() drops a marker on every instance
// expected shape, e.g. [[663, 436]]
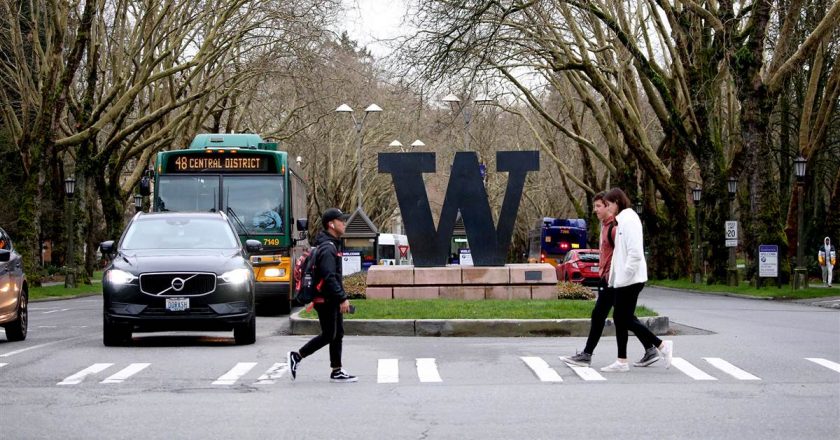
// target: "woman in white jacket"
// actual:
[[628, 275]]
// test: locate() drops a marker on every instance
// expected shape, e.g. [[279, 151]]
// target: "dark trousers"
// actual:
[[603, 304], [625, 319], [332, 333]]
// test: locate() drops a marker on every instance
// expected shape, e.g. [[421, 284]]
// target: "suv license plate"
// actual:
[[177, 304], [594, 268]]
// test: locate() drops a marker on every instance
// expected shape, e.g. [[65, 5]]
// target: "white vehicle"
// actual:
[[393, 250]]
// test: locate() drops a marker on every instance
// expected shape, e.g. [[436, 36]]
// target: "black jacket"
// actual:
[[328, 268]]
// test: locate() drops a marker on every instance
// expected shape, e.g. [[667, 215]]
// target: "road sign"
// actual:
[[731, 233], [768, 261], [351, 262], [465, 258], [403, 250]]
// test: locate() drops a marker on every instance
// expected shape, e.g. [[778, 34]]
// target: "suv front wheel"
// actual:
[[16, 330], [246, 334], [114, 334]]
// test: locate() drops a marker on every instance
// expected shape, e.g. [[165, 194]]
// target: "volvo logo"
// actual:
[[178, 284]]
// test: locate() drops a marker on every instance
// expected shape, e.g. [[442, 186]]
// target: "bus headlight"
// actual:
[[236, 276], [119, 277], [274, 272]]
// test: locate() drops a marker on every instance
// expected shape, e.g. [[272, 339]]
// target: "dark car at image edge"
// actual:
[[178, 271]]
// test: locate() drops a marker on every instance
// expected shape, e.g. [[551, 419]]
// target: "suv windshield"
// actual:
[[179, 233]]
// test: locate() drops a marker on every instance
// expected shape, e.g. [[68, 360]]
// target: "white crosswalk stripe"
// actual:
[[541, 368], [239, 370], [820, 361], [77, 378], [690, 370], [388, 371], [586, 373], [3, 365], [126, 372], [272, 374], [427, 370], [730, 369]]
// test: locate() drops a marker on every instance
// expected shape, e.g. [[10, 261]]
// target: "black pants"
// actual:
[[603, 304], [625, 319], [332, 333]]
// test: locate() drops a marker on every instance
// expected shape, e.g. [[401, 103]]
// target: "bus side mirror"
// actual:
[[145, 187], [302, 228]]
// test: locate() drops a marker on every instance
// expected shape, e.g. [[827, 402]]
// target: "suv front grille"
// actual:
[[177, 284]]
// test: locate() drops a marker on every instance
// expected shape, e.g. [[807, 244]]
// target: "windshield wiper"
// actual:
[[238, 221]]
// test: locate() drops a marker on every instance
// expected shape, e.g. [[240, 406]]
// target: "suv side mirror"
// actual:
[[253, 246], [107, 248], [5, 255]]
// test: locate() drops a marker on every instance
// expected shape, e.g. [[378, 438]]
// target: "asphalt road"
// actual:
[[744, 373]]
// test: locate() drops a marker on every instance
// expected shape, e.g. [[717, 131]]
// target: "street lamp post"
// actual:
[[397, 144], [70, 275], [138, 203], [466, 109], [800, 280], [359, 125], [732, 186], [696, 194]]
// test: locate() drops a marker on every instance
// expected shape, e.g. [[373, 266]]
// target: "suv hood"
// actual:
[[180, 260]]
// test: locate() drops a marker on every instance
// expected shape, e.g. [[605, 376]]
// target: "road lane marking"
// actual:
[[239, 370], [826, 363], [12, 353], [690, 370], [388, 371], [272, 374], [541, 368], [80, 376], [586, 373], [427, 370], [47, 326], [126, 372], [3, 365], [57, 310], [730, 369]]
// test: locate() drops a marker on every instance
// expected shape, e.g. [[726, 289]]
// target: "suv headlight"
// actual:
[[119, 277], [236, 276]]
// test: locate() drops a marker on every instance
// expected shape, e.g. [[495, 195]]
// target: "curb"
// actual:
[[659, 325], [60, 298], [733, 295]]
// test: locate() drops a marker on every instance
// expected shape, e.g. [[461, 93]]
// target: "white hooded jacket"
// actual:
[[628, 260]]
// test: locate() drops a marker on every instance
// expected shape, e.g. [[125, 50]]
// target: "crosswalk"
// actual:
[[427, 371]]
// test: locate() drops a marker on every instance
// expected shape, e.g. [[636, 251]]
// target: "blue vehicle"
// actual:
[[552, 238]]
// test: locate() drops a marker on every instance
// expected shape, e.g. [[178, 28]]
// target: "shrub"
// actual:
[[355, 285], [573, 291]]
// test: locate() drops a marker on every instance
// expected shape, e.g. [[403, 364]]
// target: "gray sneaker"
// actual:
[[651, 356], [580, 359]]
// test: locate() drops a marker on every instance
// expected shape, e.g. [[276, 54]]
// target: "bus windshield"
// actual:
[[188, 193], [257, 201]]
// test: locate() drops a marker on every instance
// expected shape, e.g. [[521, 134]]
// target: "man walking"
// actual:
[[828, 258], [331, 300]]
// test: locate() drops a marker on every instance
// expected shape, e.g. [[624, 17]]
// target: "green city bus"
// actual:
[[259, 189]]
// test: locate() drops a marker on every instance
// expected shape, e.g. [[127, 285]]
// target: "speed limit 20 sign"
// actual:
[[731, 233]]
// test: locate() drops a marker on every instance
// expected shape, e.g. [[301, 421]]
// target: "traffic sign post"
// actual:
[[768, 263], [731, 233]]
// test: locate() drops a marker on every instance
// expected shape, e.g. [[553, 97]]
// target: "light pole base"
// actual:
[[698, 278], [70, 280], [732, 277], [800, 278]]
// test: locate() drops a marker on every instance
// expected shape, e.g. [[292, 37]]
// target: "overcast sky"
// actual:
[[368, 21]]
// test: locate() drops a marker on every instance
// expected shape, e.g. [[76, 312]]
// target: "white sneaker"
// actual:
[[616, 367], [667, 351]]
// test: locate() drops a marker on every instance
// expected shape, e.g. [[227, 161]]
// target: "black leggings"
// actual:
[[625, 319], [603, 304], [332, 332]]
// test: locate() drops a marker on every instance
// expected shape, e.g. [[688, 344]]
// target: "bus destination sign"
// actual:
[[188, 163]]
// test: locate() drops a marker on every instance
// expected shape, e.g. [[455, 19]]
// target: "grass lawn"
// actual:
[[60, 291], [461, 309], [771, 291]]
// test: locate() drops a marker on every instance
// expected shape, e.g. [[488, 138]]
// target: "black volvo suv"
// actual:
[[178, 271]]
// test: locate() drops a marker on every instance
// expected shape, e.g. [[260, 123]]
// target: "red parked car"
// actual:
[[580, 266]]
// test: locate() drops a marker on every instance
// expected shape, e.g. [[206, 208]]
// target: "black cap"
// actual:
[[333, 214]]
